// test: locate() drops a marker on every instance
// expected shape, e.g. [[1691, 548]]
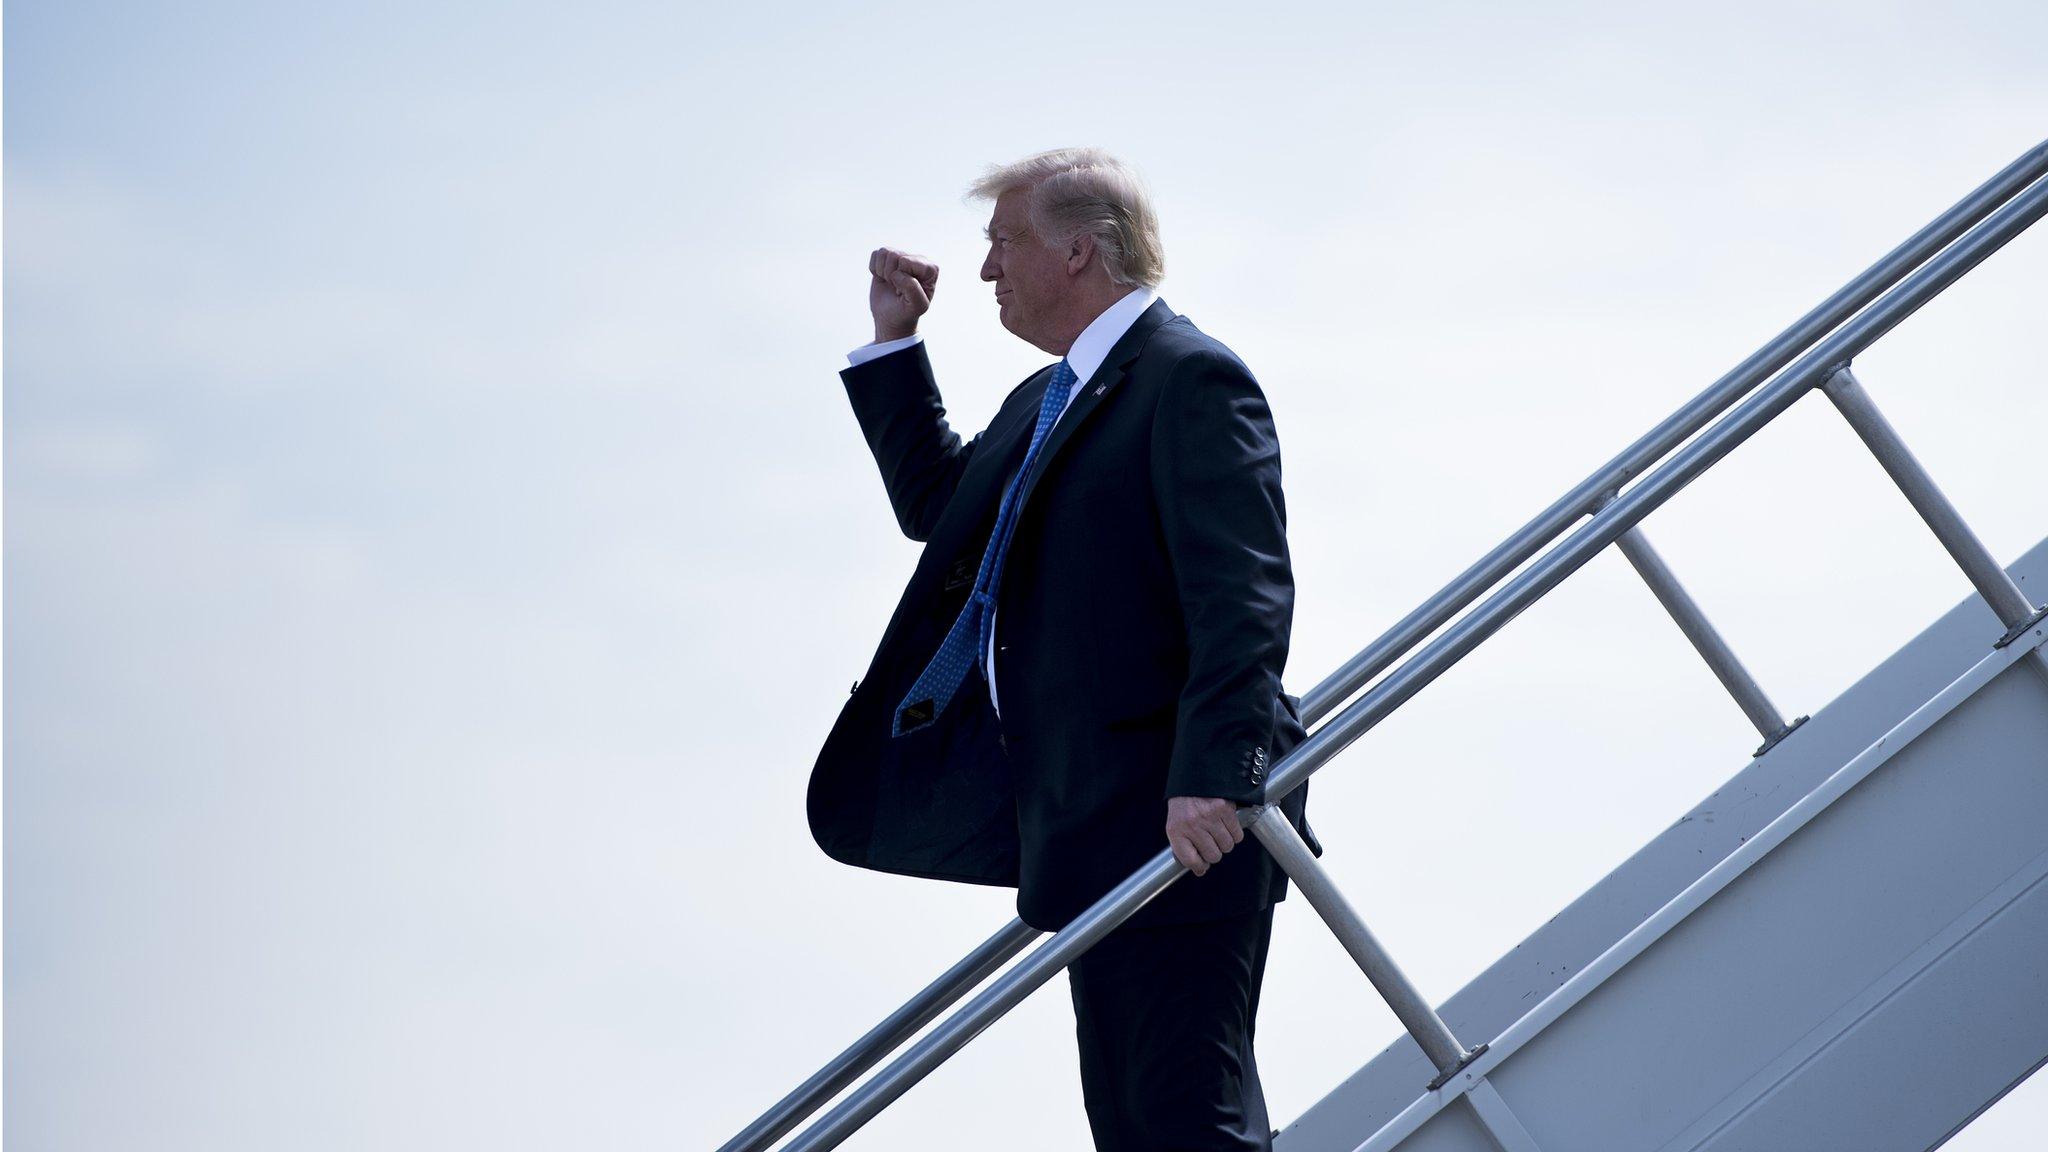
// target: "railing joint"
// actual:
[[1444, 1077], [2020, 629], [1774, 738]]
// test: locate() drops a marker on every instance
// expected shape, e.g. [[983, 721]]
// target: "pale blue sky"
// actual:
[[437, 541]]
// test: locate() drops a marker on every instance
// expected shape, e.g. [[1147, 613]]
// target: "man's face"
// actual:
[[1030, 279]]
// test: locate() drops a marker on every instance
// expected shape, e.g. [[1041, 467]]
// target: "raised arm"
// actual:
[[896, 399]]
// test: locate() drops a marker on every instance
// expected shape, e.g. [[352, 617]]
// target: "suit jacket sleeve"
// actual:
[[1216, 481], [897, 403]]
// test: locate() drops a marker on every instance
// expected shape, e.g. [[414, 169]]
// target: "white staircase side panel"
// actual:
[[1841, 911], [1871, 982], [1921, 1064]]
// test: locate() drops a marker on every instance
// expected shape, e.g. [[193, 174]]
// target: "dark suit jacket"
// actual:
[[1141, 627]]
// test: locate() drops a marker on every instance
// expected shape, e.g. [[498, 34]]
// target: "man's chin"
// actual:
[[1014, 326]]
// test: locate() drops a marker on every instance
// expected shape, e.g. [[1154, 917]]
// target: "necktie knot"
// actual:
[[1055, 400]]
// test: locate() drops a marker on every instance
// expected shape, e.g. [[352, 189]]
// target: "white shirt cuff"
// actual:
[[867, 352]]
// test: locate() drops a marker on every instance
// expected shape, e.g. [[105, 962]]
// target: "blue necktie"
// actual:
[[968, 641]]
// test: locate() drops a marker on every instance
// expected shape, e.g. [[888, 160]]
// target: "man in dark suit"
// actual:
[[1087, 659]]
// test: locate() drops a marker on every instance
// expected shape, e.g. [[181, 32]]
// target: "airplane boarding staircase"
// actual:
[[1844, 947]]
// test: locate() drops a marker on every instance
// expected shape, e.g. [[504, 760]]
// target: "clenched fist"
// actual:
[[1201, 829], [901, 291]]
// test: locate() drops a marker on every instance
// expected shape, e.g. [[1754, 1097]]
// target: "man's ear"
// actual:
[[1079, 253]]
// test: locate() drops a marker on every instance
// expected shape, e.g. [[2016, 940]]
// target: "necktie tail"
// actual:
[[936, 685]]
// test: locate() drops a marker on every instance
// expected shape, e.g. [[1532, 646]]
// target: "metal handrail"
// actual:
[[1739, 382], [1613, 515], [1609, 523], [883, 1038]]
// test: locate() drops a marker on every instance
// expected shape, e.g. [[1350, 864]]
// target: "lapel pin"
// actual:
[[1101, 388]]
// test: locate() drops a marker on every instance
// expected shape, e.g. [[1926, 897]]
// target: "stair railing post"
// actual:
[[1437, 1041], [1705, 638], [1992, 582]]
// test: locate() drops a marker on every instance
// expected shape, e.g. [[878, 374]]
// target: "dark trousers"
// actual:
[[1165, 1016]]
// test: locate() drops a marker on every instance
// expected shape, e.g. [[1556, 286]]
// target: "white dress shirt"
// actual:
[[1090, 349]]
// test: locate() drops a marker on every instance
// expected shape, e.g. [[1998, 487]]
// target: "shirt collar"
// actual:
[[1092, 346]]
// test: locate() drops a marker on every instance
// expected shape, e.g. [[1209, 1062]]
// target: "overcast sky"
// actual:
[[437, 541]]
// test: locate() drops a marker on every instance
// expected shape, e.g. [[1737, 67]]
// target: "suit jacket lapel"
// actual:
[[1095, 390], [1002, 449]]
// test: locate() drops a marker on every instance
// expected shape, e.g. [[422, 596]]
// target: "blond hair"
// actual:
[[1077, 192]]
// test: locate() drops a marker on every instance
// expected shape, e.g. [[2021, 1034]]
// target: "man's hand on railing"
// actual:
[[1201, 829]]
